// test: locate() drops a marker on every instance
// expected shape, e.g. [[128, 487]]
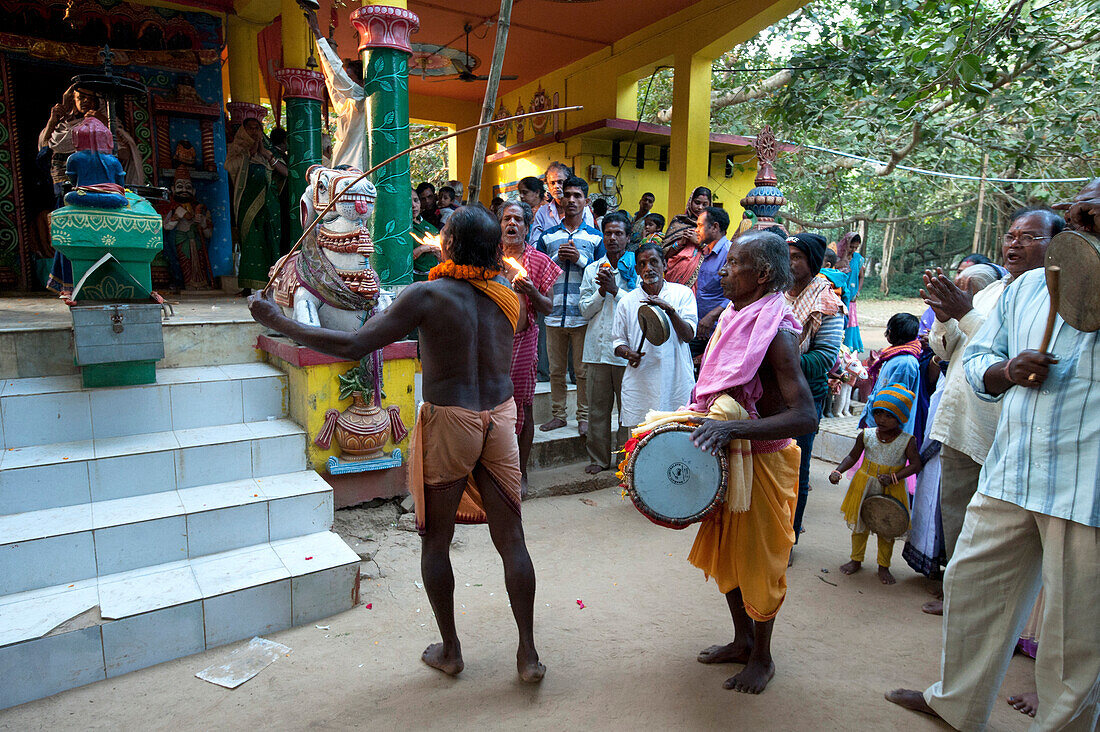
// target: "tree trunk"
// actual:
[[478, 164], [887, 257], [981, 203]]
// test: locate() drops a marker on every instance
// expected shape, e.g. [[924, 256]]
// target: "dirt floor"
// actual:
[[625, 661]]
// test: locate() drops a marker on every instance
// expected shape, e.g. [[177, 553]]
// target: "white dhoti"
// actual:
[[1004, 553]]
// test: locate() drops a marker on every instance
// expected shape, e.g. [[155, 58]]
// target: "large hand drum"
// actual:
[[1078, 255], [671, 481], [884, 515]]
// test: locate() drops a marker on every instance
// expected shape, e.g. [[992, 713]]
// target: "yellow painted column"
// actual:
[[403, 4], [244, 60], [296, 36], [690, 144]]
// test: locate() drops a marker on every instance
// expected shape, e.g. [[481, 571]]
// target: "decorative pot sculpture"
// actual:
[[330, 282], [362, 429]]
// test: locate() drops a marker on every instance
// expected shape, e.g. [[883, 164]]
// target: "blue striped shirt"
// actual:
[[1046, 452], [567, 290]]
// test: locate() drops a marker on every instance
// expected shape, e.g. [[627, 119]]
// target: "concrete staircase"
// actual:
[[146, 523]]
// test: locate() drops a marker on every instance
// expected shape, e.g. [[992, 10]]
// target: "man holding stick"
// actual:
[[464, 458]]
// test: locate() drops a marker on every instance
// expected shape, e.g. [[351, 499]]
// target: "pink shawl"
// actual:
[[736, 351]]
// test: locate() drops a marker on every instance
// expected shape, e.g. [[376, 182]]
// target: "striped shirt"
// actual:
[[1046, 452], [567, 290], [822, 354]]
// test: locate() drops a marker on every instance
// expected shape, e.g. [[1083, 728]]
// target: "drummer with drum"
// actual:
[[877, 499]]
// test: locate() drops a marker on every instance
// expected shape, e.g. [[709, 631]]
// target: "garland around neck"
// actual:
[[461, 271]]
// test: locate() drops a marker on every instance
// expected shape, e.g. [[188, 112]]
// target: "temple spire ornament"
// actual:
[[765, 199]]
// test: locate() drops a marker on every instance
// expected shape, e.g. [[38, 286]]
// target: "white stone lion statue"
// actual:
[[329, 282]]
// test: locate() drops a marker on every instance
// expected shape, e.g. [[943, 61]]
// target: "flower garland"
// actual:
[[461, 271]]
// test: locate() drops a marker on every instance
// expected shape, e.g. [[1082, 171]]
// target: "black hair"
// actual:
[[616, 216], [777, 230], [277, 136], [1054, 223], [449, 191], [701, 190], [533, 184], [902, 328], [475, 237], [976, 259], [830, 257], [718, 216], [599, 207], [424, 187], [647, 193], [657, 219], [574, 181], [648, 246]]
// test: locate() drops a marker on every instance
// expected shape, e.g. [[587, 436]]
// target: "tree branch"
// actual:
[[870, 218], [744, 94]]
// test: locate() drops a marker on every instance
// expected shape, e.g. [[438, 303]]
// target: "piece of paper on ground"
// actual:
[[244, 663]]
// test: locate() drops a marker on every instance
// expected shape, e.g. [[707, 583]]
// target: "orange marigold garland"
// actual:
[[461, 271]]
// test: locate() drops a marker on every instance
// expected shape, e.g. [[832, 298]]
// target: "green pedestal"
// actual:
[[133, 235], [120, 373]]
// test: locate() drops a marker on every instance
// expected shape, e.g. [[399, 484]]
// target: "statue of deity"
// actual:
[[188, 227]]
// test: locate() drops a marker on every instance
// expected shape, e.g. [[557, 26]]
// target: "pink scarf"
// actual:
[[736, 351]]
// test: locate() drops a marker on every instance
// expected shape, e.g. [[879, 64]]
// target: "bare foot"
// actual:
[[753, 680], [730, 653], [911, 699], [932, 607], [554, 424], [851, 567], [436, 657], [522, 487], [1025, 703], [530, 670], [582, 427], [885, 577], [592, 469]]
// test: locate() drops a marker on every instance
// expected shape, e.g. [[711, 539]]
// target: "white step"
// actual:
[[55, 409], [40, 477], [58, 545], [64, 636]]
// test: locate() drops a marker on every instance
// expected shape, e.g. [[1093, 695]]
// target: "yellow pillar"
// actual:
[[626, 97], [690, 144], [244, 60], [392, 3], [296, 36]]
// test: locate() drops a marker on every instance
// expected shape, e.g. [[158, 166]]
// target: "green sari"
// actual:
[[257, 217]]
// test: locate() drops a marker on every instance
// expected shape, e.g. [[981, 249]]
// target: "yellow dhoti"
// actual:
[[747, 541]]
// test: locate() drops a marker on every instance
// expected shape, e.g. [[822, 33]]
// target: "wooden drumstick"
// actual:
[[1054, 275]]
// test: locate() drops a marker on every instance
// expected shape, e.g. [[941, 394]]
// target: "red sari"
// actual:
[[543, 273]]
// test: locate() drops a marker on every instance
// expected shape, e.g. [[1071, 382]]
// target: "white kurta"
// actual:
[[664, 378], [349, 144]]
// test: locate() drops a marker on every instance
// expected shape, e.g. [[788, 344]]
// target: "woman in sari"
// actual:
[[250, 165], [682, 252], [850, 261]]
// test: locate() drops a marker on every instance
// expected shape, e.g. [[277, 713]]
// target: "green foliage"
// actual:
[[429, 163], [1011, 80]]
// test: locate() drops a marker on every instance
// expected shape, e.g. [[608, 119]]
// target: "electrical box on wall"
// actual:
[[595, 173], [607, 184]]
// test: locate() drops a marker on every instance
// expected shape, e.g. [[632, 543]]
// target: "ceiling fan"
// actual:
[[462, 68]]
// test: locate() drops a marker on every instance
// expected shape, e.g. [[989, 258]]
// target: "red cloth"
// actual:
[[543, 273]]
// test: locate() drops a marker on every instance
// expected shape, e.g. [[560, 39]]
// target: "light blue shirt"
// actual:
[[1046, 452], [567, 289]]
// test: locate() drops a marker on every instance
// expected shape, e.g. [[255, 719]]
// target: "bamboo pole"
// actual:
[[332, 201], [477, 166]]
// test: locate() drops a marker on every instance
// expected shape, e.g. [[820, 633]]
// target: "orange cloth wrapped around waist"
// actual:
[[449, 442]]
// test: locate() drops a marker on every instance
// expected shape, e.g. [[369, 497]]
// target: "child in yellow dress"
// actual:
[[887, 450]]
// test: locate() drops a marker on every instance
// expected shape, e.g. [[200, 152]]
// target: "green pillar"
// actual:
[[384, 43], [302, 90]]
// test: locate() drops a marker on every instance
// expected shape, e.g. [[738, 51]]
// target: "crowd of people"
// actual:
[[974, 426]]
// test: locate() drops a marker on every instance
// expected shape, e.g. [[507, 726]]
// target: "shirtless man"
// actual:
[[466, 425], [746, 553]]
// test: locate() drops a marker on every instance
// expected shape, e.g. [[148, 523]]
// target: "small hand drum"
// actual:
[[654, 323], [884, 515], [671, 481], [1078, 254]]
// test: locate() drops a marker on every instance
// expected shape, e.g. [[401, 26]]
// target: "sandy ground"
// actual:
[[627, 660]]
